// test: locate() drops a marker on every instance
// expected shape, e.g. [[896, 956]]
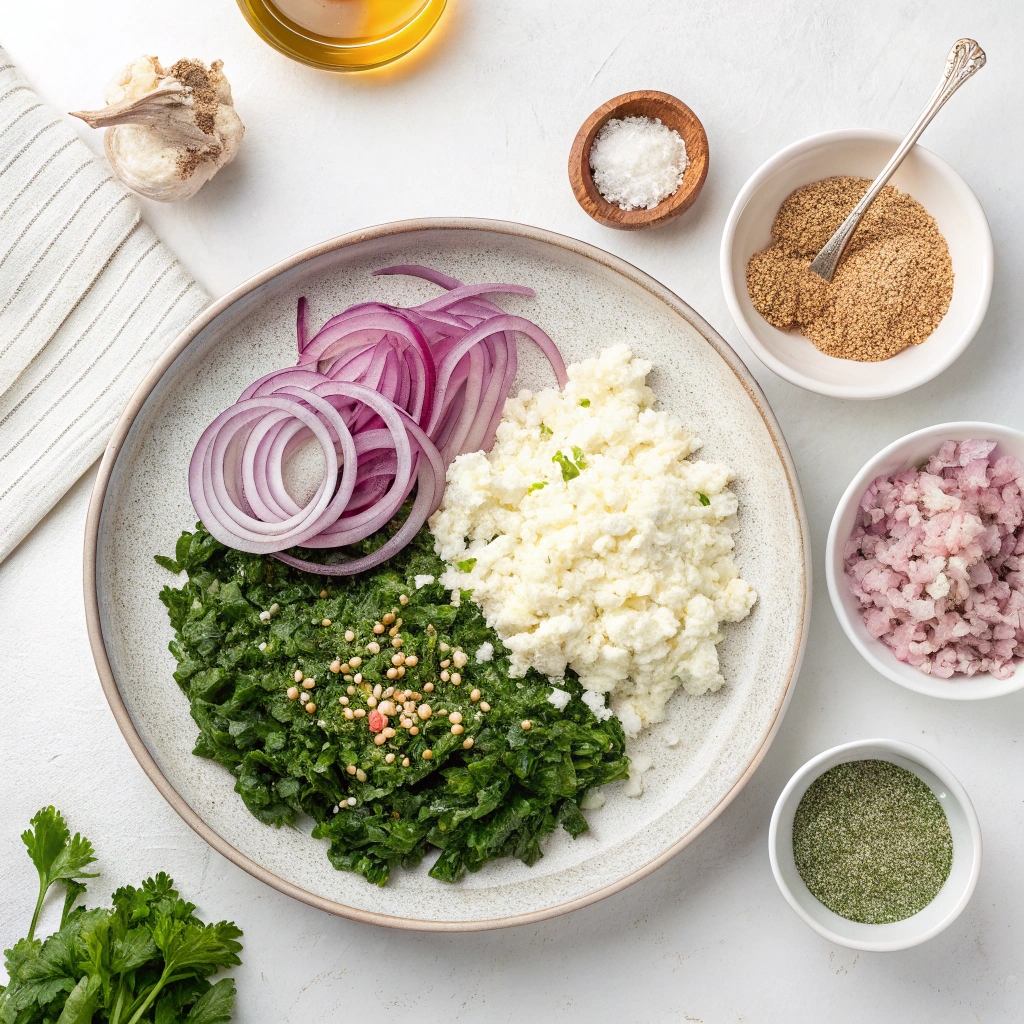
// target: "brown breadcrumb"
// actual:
[[890, 290]]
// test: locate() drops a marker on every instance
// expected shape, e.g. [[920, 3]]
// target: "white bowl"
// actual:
[[912, 450], [861, 152], [951, 898]]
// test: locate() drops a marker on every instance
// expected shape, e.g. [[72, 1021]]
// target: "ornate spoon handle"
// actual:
[[965, 58]]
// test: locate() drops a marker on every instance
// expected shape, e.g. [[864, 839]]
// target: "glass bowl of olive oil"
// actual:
[[343, 35]]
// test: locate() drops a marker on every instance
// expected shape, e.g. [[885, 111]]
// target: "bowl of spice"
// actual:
[[925, 561], [910, 292], [639, 161], [876, 845]]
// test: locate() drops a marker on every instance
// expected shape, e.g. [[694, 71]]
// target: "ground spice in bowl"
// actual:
[[891, 289], [872, 842]]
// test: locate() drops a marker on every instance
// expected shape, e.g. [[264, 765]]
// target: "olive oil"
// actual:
[[343, 35]]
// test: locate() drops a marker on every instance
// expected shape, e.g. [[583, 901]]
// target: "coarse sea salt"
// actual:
[[637, 162]]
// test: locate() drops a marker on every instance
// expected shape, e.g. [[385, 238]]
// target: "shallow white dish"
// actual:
[[952, 897], [911, 450], [585, 299], [861, 152]]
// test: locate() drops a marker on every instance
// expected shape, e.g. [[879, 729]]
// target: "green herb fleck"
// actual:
[[585, 402], [466, 565], [704, 499], [570, 469], [871, 841], [537, 486], [545, 430]]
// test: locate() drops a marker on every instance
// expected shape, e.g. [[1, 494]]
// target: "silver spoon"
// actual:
[[964, 59]]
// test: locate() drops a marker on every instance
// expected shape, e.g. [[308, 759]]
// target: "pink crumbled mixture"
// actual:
[[936, 560]]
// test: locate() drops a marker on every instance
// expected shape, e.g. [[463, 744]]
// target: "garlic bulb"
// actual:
[[168, 132]]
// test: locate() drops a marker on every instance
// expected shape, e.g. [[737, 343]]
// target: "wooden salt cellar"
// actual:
[[643, 103]]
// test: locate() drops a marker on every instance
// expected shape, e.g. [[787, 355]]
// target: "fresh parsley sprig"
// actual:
[[58, 857], [147, 958]]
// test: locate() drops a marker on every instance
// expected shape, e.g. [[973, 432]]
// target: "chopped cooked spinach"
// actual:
[[477, 764]]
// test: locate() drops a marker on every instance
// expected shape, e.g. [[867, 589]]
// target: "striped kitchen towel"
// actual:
[[89, 298]]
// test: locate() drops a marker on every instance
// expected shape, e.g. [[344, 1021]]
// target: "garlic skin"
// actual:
[[168, 131]]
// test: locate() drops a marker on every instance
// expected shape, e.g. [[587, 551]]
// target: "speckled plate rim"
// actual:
[[124, 424]]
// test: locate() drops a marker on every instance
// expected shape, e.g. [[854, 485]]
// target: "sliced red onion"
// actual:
[[392, 395], [301, 334], [415, 270]]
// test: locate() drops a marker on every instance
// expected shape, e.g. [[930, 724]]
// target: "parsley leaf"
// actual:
[[56, 855], [466, 565], [214, 1007], [545, 430], [537, 486], [704, 499], [585, 403], [83, 1002]]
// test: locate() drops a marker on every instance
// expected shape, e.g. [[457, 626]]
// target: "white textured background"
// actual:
[[480, 123]]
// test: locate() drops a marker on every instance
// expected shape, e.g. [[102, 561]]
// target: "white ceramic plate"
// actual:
[[586, 299]]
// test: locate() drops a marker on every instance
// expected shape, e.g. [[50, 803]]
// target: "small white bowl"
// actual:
[[861, 152], [952, 897], [912, 450]]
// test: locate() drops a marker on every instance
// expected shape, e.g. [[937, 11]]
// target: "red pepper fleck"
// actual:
[[375, 720]]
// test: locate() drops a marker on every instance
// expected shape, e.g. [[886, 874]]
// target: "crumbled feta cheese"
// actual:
[[671, 739], [598, 543], [559, 698], [595, 701], [638, 764], [422, 581], [485, 651], [593, 800], [263, 646], [456, 597], [632, 723]]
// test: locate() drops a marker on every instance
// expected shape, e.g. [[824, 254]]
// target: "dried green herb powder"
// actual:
[[872, 842]]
